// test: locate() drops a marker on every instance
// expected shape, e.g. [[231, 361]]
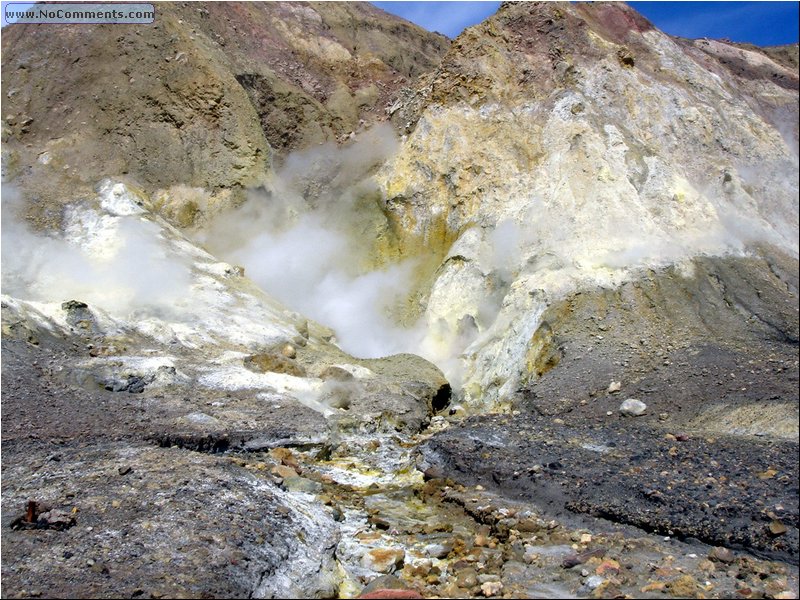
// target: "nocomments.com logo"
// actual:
[[60, 12]]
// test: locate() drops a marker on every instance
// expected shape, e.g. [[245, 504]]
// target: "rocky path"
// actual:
[[542, 504]]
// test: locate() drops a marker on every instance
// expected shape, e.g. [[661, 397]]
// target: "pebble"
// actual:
[[491, 588], [467, 578], [439, 550], [722, 555], [632, 407], [614, 386], [384, 582], [301, 484], [777, 528], [283, 471], [383, 560], [595, 581], [378, 594]]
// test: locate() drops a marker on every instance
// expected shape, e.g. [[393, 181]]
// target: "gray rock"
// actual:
[[301, 484]]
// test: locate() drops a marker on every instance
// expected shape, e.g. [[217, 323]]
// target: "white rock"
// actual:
[[594, 581], [632, 407]]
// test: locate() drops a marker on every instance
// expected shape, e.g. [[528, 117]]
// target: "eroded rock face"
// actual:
[[562, 148], [194, 104]]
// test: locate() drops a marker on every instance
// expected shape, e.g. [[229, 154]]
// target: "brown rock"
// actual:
[[384, 560], [684, 587], [722, 555], [273, 362], [283, 471], [391, 594]]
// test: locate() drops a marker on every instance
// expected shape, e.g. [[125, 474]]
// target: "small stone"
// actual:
[[777, 528], [722, 555], [273, 362], [586, 538], [609, 565], [632, 407], [384, 582], [383, 560], [655, 586], [289, 351], [467, 578], [491, 588], [684, 587], [595, 581], [301, 484], [439, 550], [380, 594], [124, 470], [283, 471], [614, 387]]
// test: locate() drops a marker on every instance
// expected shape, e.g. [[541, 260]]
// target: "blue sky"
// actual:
[[761, 23]]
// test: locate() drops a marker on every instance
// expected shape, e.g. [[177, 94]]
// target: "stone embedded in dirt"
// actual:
[[593, 582], [614, 387], [379, 594], [283, 471], [383, 582], [721, 554], [384, 560], [439, 550], [289, 351], [491, 588], [632, 407], [273, 362], [301, 484], [574, 560], [286, 457], [777, 528], [608, 566]]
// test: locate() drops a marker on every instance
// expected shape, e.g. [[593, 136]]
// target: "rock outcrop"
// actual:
[[562, 149], [200, 103]]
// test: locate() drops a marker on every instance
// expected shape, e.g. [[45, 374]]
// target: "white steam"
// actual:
[[307, 243], [117, 263]]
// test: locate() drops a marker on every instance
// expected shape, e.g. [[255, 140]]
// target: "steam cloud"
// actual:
[[118, 264], [308, 243]]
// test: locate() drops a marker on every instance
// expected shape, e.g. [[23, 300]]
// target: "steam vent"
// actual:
[[300, 300]]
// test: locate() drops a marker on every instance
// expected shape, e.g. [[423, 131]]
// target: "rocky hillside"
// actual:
[[562, 149], [206, 97], [582, 249]]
